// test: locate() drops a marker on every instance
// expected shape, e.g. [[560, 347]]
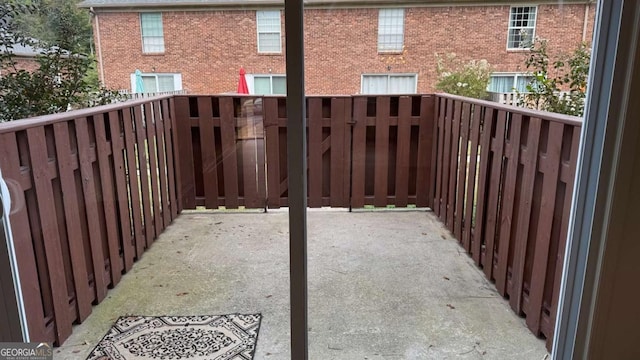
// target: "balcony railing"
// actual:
[[95, 187]]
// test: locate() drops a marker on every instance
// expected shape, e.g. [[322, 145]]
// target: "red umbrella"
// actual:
[[242, 83]]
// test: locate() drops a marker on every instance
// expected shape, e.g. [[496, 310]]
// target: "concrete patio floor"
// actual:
[[382, 285]]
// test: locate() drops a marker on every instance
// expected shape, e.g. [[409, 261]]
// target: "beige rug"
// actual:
[[223, 337]]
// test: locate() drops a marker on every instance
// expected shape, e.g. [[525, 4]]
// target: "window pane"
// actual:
[[522, 82], [374, 84], [390, 29], [152, 34], [501, 83], [268, 24], [279, 85], [262, 85], [165, 83], [150, 84], [522, 23], [269, 42], [402, 84]]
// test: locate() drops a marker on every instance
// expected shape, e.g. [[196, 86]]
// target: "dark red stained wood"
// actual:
[[474, 140], [185, 159], [153, 166], [134, 185], [315, 152], [465, 119], [120, 172], [169, 140], [453, 166], [564, 229], [229, 154], [440, 133], [162, 165], [106, 179], [338, 171], [426, 152], [72, 220], [251, 144], [209, 158], [493, 205], [50, 232], [359, 151], [402, 154], [143, 172], [91, 206], [485, 145], [543, 239], [347, 118], [505, 230], [22, 240], [272, 140], [530, 157], [446, 161], [382, 151]]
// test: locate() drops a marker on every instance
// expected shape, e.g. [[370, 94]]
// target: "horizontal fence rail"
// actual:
[[91, 191], [503, 187], [362, 150]]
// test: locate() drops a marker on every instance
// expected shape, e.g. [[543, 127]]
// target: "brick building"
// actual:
[[351, 46]]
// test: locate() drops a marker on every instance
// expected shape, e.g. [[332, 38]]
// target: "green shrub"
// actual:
[[458, 77]]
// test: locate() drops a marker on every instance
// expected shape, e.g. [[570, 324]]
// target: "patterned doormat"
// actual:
[[223, 337]]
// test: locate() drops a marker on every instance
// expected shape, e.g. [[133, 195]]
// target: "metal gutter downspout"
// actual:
[[98, 45]]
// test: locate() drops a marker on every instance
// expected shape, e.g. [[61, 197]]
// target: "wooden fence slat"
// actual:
[[22, 239], [485, 150], [346, 160], [162, 165], [382, 152], [91, 206], [493, 205], [272, 143], [229, 155], [251, 144], [465, 119], [50, 232], [359, 152], [440, 131], [446, 161], [524, 214], [454, 167], [143, 173], [108, 202], [505, 228], [403, 152], [337, 171], [169, 139], [469, 211], [134, 185], [426, 153], [185, 160], [209, 158], [315, 152], [150, 124], [72, 220], [117, 146], [543, 238]]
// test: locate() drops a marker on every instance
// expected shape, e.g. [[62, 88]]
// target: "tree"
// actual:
[[558, 85], [457, 77], [60, 82]]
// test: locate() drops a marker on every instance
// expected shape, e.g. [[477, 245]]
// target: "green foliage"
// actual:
[[558, 85], [468, 79], [62, 80]]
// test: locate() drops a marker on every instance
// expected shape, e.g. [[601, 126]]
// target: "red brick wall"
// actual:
[[209, 47], [24, 63]]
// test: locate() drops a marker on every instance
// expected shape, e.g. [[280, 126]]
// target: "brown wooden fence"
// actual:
[[363, 150], [91, 190], [503, 186]]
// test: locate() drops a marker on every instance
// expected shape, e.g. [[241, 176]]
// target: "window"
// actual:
[[522, 27], [389, 84], [506, 83], [153, 82], [269, 84], [152, 35], [269, 31], [390, 30]]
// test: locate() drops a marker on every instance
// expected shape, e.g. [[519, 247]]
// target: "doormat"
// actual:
[[222, 337]]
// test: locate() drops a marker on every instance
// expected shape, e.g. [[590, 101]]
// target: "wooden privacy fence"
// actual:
[[91, 190], [503, 187], [362, 150]]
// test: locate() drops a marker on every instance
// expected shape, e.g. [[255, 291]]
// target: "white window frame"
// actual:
[[251, 81], [177, 80], [279, 32], [389, 13], [142, 36], [515, 79], [389, 75], [510, 27]]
